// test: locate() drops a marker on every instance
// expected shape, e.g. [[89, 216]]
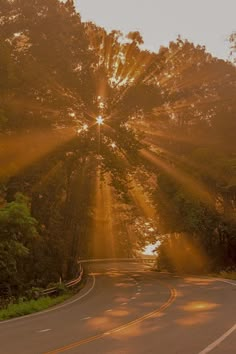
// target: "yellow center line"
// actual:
[[120, 328]]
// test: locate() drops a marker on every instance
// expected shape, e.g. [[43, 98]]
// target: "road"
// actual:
[[128, 309]]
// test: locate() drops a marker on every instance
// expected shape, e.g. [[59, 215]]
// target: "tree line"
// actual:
[[169, 115]]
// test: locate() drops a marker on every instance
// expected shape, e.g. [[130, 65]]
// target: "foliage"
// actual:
[[18, 230], [169, 115], [226, 275], [232, 40]]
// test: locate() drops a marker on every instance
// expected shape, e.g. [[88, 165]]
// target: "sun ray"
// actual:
[[103, 234], [191, 184], [21, 150]]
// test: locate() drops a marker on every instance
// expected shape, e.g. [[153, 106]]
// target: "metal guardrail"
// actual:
[[132, 260], [69, 284], [76, 281]]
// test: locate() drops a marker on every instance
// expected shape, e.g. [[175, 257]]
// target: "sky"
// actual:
[[204, 22]]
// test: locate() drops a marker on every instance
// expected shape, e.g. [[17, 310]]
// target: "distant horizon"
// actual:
[[160, 22]]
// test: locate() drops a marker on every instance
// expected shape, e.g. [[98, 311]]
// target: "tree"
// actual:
[[232, 41], [177, 104], [18, 230]]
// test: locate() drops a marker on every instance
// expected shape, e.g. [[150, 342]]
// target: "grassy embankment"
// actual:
[[226, 275], [31, 306]]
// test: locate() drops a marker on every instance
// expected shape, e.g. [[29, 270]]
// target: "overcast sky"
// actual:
[[205, 22]]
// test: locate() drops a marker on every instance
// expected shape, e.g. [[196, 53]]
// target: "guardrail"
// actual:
[[76, 281], [69, 284], [132, 260]]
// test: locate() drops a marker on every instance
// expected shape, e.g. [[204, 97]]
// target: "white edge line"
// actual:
[[53, 308], [226, 281], [213, 345]]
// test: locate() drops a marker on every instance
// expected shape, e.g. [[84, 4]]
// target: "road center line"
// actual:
[[164, 306], [44, 330], [213, 345]]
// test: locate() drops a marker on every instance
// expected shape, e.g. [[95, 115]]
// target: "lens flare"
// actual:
[[100, 120]]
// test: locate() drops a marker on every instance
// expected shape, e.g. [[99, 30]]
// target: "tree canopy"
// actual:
[[111, 139], [18, 230]]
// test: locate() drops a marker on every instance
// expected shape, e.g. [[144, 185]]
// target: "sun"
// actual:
[[100, 120]]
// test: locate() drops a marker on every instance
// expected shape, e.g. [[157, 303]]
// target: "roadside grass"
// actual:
[[227, 275], [230, 274], [31, 306]]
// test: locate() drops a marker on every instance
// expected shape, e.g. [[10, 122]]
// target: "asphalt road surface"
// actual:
[[128, 309]]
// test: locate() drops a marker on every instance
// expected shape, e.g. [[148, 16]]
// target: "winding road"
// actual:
[[125, 308]]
